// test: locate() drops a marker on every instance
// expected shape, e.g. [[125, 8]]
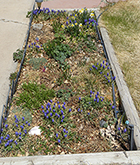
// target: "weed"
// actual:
[[17, 56], [13, 76], [86, 43], [36, 63], [64, 94], [33, 95]]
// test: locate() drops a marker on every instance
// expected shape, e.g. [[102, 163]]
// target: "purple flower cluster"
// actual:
[[47, 11], [89, 21], [102, 68], [19, 131], [34, 45], [55, 112], [64, 135]]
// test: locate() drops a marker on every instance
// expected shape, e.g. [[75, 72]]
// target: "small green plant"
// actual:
[[33, 95], [65, 94], [18, 55], [36, 63], [86, 43], [59, 37], [65, 73], [56, 25], [58, 50], [13, 76]]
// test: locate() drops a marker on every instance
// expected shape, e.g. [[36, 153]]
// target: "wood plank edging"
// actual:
[[102, 158], [126, 99]]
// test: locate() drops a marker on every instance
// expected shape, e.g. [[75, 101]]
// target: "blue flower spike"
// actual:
[[125, 130], [119, 128], [113, 107]]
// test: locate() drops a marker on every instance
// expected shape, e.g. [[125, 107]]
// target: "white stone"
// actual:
[[37, 26], [35, 131]]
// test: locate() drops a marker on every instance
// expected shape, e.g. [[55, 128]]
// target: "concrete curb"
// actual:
[[103, 158]]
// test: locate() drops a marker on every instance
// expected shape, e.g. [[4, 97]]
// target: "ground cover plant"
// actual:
[[64, 89]]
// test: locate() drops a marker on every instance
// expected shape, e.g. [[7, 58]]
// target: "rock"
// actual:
[[52, 85], [35, 131], [37, 26], [112, 127], [102, 132], [66, 82], [62, 153], [99, 45], [102, 123], [87, 59], [27, 153]]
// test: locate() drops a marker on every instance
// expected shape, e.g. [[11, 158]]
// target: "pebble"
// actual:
[[62, 153], [102, 123], [37, 26], [66, 82], [87, 59]]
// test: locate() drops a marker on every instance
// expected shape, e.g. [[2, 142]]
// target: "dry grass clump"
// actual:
[[123, 24]]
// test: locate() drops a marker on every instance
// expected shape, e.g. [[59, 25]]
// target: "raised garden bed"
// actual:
[[65, 88]]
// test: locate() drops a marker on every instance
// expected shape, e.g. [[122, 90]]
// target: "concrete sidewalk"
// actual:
[[13, 29], [73, 4], [76, 4]]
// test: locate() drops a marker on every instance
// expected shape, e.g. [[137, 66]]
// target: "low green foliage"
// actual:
[[20, 112], [65, 94], [33, 95], [86, 43], [64, 74], [36, 63], [59, 121], [13, 76], [18, 55], [58, 50], [56, 25]]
